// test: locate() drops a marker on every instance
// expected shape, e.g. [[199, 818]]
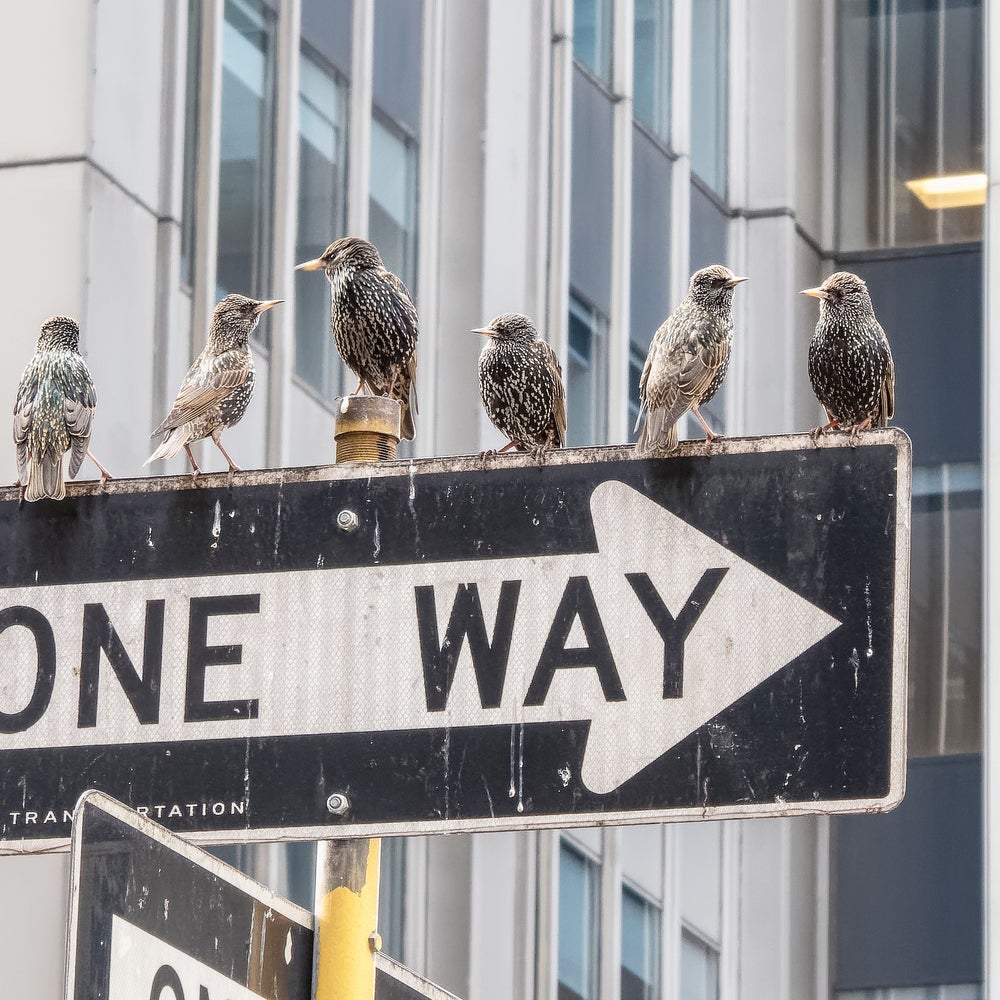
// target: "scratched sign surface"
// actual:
[[449, 646]]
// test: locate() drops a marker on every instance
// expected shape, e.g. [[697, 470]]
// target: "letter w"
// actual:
[[489, 659]]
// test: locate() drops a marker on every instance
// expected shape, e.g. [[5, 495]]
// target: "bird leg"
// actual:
[[194, 465], [538, 453], [105, 475], [856, 429], [822, 429], [710, 435], [490, 452], [233, 467]]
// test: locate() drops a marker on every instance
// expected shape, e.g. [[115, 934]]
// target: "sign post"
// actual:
[[453, 646]]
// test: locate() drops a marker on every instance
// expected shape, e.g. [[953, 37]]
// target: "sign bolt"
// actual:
[[375, 941], [348, 521], [338, 804]]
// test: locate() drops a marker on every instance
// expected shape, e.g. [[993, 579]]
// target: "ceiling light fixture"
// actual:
[[950, 190]]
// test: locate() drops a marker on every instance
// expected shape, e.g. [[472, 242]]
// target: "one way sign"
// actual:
[[441, 646]]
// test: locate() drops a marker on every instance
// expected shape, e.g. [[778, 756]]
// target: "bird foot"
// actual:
[[710, 438], [817, 432], [233, 469], [20, 493], [855, 431], [538, 453], [485, 456]]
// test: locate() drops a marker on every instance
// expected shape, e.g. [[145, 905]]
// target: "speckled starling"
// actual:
[[53, 412], [687, 360], [850, 365], [373, 320], [521, 384], [217, 388]]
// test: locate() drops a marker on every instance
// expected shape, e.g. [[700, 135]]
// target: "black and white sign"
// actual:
[[458, 647], [151, 916]]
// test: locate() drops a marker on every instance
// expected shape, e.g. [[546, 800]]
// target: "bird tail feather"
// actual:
[[169, 447], [45, 478], [658, 438]]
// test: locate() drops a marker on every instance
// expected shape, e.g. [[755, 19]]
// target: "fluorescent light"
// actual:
[[950, 190]]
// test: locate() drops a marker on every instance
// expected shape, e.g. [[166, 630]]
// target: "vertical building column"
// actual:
[[620, 333], [286, 169], [991, 511], [557, 322], [359, 153], [680, 142]]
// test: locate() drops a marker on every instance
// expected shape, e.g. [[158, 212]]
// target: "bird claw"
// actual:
[[485, 456], [538, 453]]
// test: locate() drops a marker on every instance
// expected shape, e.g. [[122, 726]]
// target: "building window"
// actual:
[[651, 66], [966, 991], [910, 118], [592, 35], [246, 174], [709, 97], [699, 968], [579, 925], [192, 96], [323, 113], [392, 213], [586, 377], [945, 662], [640, 948], [391, 896]]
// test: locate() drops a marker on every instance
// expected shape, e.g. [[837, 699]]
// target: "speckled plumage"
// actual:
[[373, 321], [520, 381], [53, 411], [687, 361], [850, 364], [218, 387]]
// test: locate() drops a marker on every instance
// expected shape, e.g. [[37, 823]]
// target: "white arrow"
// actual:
[[339, 650]]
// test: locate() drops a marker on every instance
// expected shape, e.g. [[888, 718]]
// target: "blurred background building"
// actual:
[[575, 160]]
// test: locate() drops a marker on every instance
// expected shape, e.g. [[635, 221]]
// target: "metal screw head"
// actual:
[[348, 521], [338, 804], [375, 941]]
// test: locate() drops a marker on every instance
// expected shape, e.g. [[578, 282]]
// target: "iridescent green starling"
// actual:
[[521, 384], [54, 412], [687, 360], [373, 321], [216, 391], [850, 365]]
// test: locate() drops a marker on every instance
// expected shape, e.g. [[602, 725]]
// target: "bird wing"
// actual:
[[689, 364], [204, 389], [79, 404], [23, 406], [551, 362], [887, 400]]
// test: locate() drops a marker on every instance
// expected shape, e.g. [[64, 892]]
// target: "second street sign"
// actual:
[[445, 646]]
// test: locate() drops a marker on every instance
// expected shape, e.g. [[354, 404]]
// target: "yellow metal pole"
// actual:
[[347, 871], [347, 878]]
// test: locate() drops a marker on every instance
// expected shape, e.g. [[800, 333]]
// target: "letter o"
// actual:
[[45, 669], [166, 978]]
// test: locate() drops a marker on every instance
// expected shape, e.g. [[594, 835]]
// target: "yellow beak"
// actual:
[[311, 265], [264, 306], [816, 293], [484, 332], [733, 282]]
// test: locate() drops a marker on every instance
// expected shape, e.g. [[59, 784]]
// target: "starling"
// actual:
[[53, 412], [373, 320], [217, 388], [521, 384], [687, 360], [850, 365]]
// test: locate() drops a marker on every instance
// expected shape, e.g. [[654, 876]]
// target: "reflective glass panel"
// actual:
[[392, 213], [579, 920], [246, 175], [323, 110], [699, 969], [640, 948], [651, 66], [586, 374], [709, 98], [192, 86], [592, 27]]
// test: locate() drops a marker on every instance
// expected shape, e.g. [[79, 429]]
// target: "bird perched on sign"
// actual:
[[373, 321], [850, 364], [53, 412], [687, 360], [217, 388], [521, 385]]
